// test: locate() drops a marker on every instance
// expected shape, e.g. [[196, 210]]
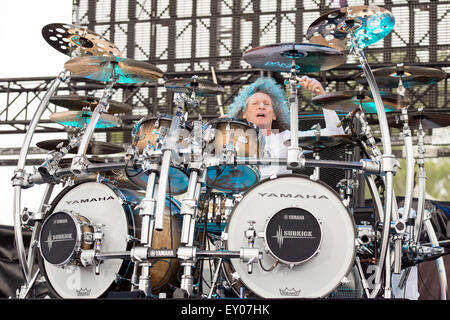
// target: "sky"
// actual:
[[25, 53]]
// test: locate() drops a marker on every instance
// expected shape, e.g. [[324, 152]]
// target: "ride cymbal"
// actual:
[[81, 118], [202, 88], [77, 102], [94, 147], [105, 68], [366, 24], [347, 101], [308, 57], [78, 41], [411, 76]]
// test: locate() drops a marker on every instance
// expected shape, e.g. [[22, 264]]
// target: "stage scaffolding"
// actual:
[[187, 38]]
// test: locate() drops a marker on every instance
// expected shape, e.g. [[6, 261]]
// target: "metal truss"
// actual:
[[186, 38]]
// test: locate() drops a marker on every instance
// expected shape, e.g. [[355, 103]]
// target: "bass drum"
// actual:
[[68, 229], [307, 237]]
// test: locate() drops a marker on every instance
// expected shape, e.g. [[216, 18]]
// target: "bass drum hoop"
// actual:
[[125, 266], [228, 267]]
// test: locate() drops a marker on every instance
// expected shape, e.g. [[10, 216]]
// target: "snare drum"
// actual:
[[68, 229], [244, 140], [307, 237], [147, 131]]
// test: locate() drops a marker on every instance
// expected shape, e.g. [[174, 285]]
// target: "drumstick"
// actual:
[[219, 97]]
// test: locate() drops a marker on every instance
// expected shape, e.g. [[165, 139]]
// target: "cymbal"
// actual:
[[201, 88], [367, 24], [94, 147], [347, 101], [105, 68], [411, 76], [77, 102], [322, 141], [309, 57], [429, 120], [78, 41], [81, 118]]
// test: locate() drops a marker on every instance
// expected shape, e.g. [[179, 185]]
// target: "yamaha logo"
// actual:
[[90, 200], [292, 195]]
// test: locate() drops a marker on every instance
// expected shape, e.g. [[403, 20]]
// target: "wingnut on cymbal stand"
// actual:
[[21, 180]]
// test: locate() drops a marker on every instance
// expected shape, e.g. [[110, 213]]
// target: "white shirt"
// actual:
[[276, 144]]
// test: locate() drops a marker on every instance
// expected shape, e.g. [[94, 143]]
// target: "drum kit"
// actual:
[[288, 236]]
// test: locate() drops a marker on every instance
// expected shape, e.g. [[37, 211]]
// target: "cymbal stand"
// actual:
[[294, 151], [169, 154], [20, 180], [423, 216], [316, 154], [80, 162], [388, 162], [421, 183]]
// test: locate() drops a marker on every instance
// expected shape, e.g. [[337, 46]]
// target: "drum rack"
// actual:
[[158, 159]]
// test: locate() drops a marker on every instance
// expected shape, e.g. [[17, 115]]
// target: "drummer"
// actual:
[[264, 104]]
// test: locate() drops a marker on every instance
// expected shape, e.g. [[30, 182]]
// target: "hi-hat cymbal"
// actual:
[[323, 141], [309, 57], [201, 88], [107, 67], [428, 120], [347, 101], [78, 41], [389, 77], [94, 147], [81, 118], [76, 102], [366, 24]]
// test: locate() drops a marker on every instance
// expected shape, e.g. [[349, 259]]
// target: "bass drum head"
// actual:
[[305, 226], [103, 205]]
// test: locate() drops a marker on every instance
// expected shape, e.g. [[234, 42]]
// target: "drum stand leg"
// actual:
[[146, 210], [20, 178], [189, 211]]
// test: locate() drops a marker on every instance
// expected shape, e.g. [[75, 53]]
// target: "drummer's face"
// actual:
[[260, 111]]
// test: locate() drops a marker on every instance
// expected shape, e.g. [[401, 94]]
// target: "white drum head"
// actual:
[[314, 274], [101, 205]]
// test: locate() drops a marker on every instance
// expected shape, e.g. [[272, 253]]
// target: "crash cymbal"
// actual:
[[78, 41], [411, 76], [347, 101], [201, 88], [81, 118], [428, 120], [106, 67], [367, 24], [76, 102], [94, 147], [309, 57]]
